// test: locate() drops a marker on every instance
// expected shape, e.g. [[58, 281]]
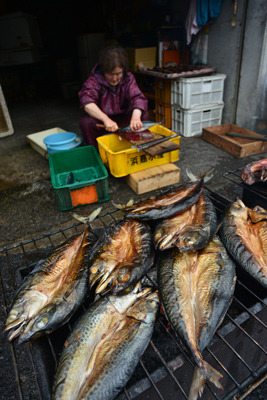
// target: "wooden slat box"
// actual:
[[238, 147], [153, 178]]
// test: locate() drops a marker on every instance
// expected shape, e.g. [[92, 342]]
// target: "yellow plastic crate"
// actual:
[[121, 160]]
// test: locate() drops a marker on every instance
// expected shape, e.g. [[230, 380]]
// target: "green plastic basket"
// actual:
[[72, 171]]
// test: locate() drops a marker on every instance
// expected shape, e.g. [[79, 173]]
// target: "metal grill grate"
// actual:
[[238, 349]]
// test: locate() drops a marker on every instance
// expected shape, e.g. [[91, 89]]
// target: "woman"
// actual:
[[110, 96]]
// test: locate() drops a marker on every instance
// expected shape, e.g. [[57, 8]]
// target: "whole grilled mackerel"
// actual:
[[169, 203], [105, 346], [196, 289], [52, 292], [255, 171], [121, 256], [244, 234], [191, 230]]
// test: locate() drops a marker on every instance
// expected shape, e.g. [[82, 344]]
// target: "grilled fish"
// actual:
[[255, 171], [191, 230], [105, 346], [196, 290], [244, 234], [169, 203], [121, 257], [53, 291]]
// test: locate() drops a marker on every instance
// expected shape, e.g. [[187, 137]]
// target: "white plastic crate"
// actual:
[[191, 122], [195, 92]]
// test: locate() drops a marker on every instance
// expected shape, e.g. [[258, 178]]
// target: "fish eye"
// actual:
[[42, 323], [94, 270], [123, 277], [153, 303]]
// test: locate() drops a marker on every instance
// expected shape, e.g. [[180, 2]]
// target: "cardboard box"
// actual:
[[141, 58]]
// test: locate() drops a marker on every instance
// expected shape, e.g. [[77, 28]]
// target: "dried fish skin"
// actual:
[[244, 234], [121, 257], [255, 171], [53, 291], [190, 230], [168, 204], [196, 289], [105, 346]]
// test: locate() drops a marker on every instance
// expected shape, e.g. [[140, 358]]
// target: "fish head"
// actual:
[[123, 278], [238, 210], [43, 322], [145, 307], [16, 316], [26, 307], [33, 329], [123, 301], [191, 239], [258, 214], [100, 273]]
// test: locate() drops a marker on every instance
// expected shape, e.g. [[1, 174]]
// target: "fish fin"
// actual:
[[206, 177], [122, 207], [119, 206], [201, 375], [130, 203], [191, 176], [89, 218]]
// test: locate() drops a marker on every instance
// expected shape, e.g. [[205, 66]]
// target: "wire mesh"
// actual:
[[165, 368]]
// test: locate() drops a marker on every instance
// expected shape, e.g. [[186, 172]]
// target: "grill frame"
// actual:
[[27, 360]]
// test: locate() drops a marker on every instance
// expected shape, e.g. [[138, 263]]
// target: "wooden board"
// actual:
[[238, 147], [153, 178], [162, 148], [36, 140]]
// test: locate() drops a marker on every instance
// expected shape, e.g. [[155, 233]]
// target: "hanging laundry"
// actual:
[[207, 10], [191, 25]]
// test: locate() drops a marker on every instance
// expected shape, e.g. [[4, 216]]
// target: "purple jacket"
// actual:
[[123, 99]]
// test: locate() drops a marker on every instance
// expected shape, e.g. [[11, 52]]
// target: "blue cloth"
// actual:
[[207, 10]]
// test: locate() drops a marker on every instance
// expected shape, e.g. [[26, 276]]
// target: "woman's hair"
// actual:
[[111, 57]]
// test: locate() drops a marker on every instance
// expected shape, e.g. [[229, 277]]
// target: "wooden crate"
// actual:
[[238, 147], [163, 113], [153, 178], [163, 91]]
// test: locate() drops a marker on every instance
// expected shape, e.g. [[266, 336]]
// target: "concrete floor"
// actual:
[[28, 204]]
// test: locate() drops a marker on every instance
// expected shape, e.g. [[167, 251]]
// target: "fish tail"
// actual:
[[201, 375], [194, 178], [208, 176], [122, 207], [191, 176], [90, 217]]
